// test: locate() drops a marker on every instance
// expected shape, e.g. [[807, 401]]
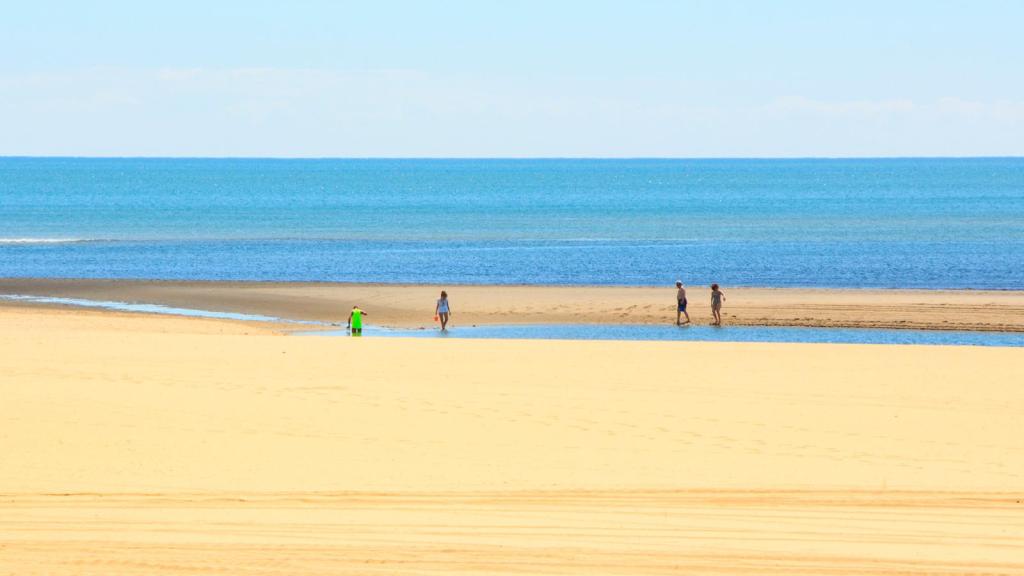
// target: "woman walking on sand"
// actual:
[[717, 297], [442, 310]]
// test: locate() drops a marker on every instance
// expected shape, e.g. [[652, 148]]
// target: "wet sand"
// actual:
[[413, 306], [136, 444]]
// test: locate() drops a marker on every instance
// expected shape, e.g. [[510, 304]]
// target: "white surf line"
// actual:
[[156, 309], [45, 240]]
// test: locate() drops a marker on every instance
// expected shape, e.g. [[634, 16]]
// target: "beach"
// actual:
[[512, 289], [412, 306], [166, 445]]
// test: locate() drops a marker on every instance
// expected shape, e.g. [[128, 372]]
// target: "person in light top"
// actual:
[[442, 310]]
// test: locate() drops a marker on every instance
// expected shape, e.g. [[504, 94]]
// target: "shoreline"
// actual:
[[411, 306]]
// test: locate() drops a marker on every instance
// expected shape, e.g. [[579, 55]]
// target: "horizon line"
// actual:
[[229, 157]]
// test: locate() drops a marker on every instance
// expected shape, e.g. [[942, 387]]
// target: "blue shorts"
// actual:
[[682, 306]]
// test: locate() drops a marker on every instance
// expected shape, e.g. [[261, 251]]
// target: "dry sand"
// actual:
[[143, 445], [413, 306]]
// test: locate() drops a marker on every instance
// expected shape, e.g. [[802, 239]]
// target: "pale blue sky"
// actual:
[[489, 78]]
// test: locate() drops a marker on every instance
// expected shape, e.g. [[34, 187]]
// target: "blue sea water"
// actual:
[[921, 223]]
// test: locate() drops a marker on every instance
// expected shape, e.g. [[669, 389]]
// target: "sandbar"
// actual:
[[412, 306]]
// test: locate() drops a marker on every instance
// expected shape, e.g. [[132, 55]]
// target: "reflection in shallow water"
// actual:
[[153, 309]]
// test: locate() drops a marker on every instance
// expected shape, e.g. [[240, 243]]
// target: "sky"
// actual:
[[510, 78]]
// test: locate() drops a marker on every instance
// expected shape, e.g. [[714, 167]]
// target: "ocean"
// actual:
[[858, 223]]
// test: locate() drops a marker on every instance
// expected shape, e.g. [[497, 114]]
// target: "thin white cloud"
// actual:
[[800, 104], [314, 112]]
